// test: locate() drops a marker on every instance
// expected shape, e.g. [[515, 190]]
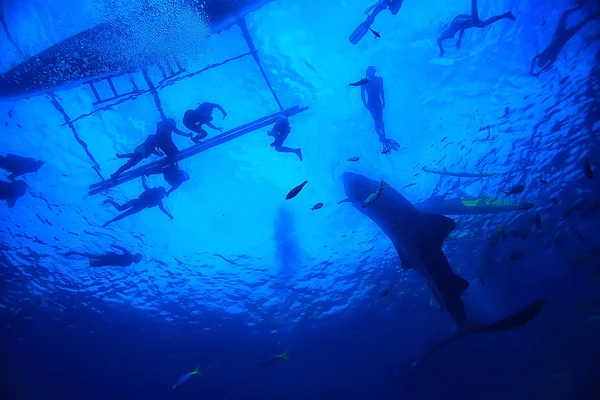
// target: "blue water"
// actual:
[[240, 274]]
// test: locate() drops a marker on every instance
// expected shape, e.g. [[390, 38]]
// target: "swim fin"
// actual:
[[513, 321], [361, 30]]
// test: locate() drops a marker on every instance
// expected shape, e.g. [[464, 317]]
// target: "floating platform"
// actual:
[[82, 57], [197, 148]]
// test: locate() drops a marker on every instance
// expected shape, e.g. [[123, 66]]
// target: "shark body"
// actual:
[[418, 238]]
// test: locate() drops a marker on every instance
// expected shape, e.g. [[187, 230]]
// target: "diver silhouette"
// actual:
[[464, 21], [151, 197], [547, 57], [373, 98]]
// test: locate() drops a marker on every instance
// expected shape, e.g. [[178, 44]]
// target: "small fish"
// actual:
[[377, 35], [553, 200], [578, 234], [384, 293], [294, 192], [10, 114], [515, 190], [375, 195], [587, 168], [516, 255], [544, 182], [273, 360], [353, 159], [538, 221], [317, 206], [363, 81], [386, 149], [185, 377]]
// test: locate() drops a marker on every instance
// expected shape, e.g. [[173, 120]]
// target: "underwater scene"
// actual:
[[285, 199]]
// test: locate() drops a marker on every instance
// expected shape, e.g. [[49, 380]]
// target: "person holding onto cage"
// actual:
[[172, 175], [463, 22], [109, 258], [164, 138], [151, 197], [194, 119], [141, 152], [280, 132]]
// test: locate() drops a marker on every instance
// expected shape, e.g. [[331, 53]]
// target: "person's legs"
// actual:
[[77, 253], [127, 213], [489, 21], [379, 125], [201, 135], [569, 33], [96, 262], [474, 11], [281, 149], [441, 46], [562, 23], [129, 164], [168, 147], [129, 204]]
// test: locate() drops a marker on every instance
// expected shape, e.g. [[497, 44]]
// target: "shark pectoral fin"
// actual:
[[432, 229]]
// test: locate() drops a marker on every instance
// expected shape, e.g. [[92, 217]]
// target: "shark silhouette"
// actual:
[[418, 238]]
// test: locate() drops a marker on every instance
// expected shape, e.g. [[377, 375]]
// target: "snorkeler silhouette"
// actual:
[[151, 197], [164, 138], [375, 103], [172, 175], [141, 152], [109, 258], [194, 119], [280, 132], [547, 57], [375, 9], [464, 21]]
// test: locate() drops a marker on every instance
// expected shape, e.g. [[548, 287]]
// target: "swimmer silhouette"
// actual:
[[464, 21], [547, 57], [373, 98]]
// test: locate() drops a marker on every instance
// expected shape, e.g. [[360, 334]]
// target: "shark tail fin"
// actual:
[[346, 200], [284, 356], [513, 321], [384, 184], [197, 372]]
